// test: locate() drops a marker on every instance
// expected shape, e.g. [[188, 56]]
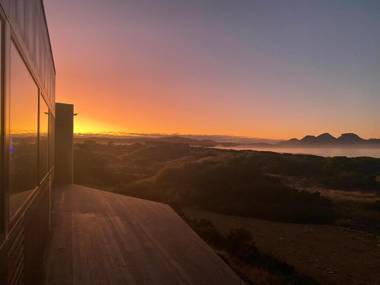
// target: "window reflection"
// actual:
[[44, 138], [51, 140], [23, 132]]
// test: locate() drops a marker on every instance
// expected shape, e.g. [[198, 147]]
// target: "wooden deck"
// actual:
[[104, 238]]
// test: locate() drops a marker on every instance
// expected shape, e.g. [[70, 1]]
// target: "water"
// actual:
[[326, 152]]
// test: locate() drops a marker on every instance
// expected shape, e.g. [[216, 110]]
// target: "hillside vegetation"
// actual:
[[243, 183]]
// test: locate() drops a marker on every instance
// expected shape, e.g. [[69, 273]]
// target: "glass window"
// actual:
[[23, 132], [51, 140], [44, 138]]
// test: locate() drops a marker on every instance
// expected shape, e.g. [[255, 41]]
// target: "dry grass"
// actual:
[[303, 184], [354, 196], [330, 254]]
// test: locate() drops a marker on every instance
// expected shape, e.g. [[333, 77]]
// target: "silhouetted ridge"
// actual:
[[309, 139], [294, 140], [350, 138], [327, 139]]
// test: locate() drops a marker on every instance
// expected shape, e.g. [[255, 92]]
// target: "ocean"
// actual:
[[324, 151]]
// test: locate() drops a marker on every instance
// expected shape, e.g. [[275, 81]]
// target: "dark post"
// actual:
[[64, 127]]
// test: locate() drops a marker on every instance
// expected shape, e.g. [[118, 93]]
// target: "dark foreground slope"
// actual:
[[241, 183], [231, 186]]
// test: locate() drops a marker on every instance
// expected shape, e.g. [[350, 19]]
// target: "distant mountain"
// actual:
[[128, 139], [326, 139], [186, 140], [309, 140], [233, 140], [350, 138], [374, 141], [198, 140]]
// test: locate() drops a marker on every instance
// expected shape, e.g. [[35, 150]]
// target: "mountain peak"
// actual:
[[326, 136], [350, 138], [308, 138]]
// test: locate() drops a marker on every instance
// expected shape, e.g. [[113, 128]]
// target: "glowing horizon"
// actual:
[[262, 69]]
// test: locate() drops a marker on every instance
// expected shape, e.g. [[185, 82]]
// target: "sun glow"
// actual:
[[90, 126]]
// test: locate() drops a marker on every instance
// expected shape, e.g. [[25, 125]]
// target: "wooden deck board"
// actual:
[[105, 238]]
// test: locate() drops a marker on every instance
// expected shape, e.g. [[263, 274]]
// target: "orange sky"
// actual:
[[152, 67]]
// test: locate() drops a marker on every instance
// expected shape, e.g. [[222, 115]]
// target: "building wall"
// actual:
[[28, 23], [27, 88], [64, 136]]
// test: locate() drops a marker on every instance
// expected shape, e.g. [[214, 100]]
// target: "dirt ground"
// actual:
[[330, 254]]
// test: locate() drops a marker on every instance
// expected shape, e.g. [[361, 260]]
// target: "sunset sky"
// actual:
[[273, 69]]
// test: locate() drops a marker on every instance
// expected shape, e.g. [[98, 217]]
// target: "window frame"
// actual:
[[51, 142], [3, 132]]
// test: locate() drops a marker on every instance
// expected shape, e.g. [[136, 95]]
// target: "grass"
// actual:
[[238, 249], [328, 253]]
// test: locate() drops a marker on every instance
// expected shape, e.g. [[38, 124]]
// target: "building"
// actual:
[[27, 127]]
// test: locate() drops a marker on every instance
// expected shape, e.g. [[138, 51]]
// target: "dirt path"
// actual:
[[332, 255]]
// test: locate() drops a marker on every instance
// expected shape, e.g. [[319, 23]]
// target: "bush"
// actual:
[[208, 232]]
